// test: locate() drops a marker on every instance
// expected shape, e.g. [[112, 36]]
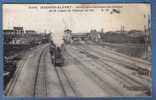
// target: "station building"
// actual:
[[67, 36], [70, 37]]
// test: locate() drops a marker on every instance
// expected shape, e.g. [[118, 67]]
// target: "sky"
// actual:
[[30, 16]]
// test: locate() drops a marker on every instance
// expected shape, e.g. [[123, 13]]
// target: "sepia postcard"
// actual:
[[77, 50]]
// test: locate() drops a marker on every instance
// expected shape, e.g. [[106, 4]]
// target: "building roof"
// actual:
[[67, 30], [30, 31], [8, 30], [18, 28]]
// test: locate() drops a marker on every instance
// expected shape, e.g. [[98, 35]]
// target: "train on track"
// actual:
[[56, 55]]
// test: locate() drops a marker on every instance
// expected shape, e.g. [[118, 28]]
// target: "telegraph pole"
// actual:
[[145, 40], [149, 35]]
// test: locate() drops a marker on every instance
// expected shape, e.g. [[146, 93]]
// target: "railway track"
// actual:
[[119, 54], [120, 77], [40, 89], [118, 61], [10, 87], [66, 83], [107, 58], [122, 55], [96, 78], [37, 78]]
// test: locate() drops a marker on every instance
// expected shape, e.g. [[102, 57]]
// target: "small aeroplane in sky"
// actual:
[[115, 11]]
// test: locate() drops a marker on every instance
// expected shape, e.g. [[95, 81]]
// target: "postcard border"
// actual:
[[153, 30]]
